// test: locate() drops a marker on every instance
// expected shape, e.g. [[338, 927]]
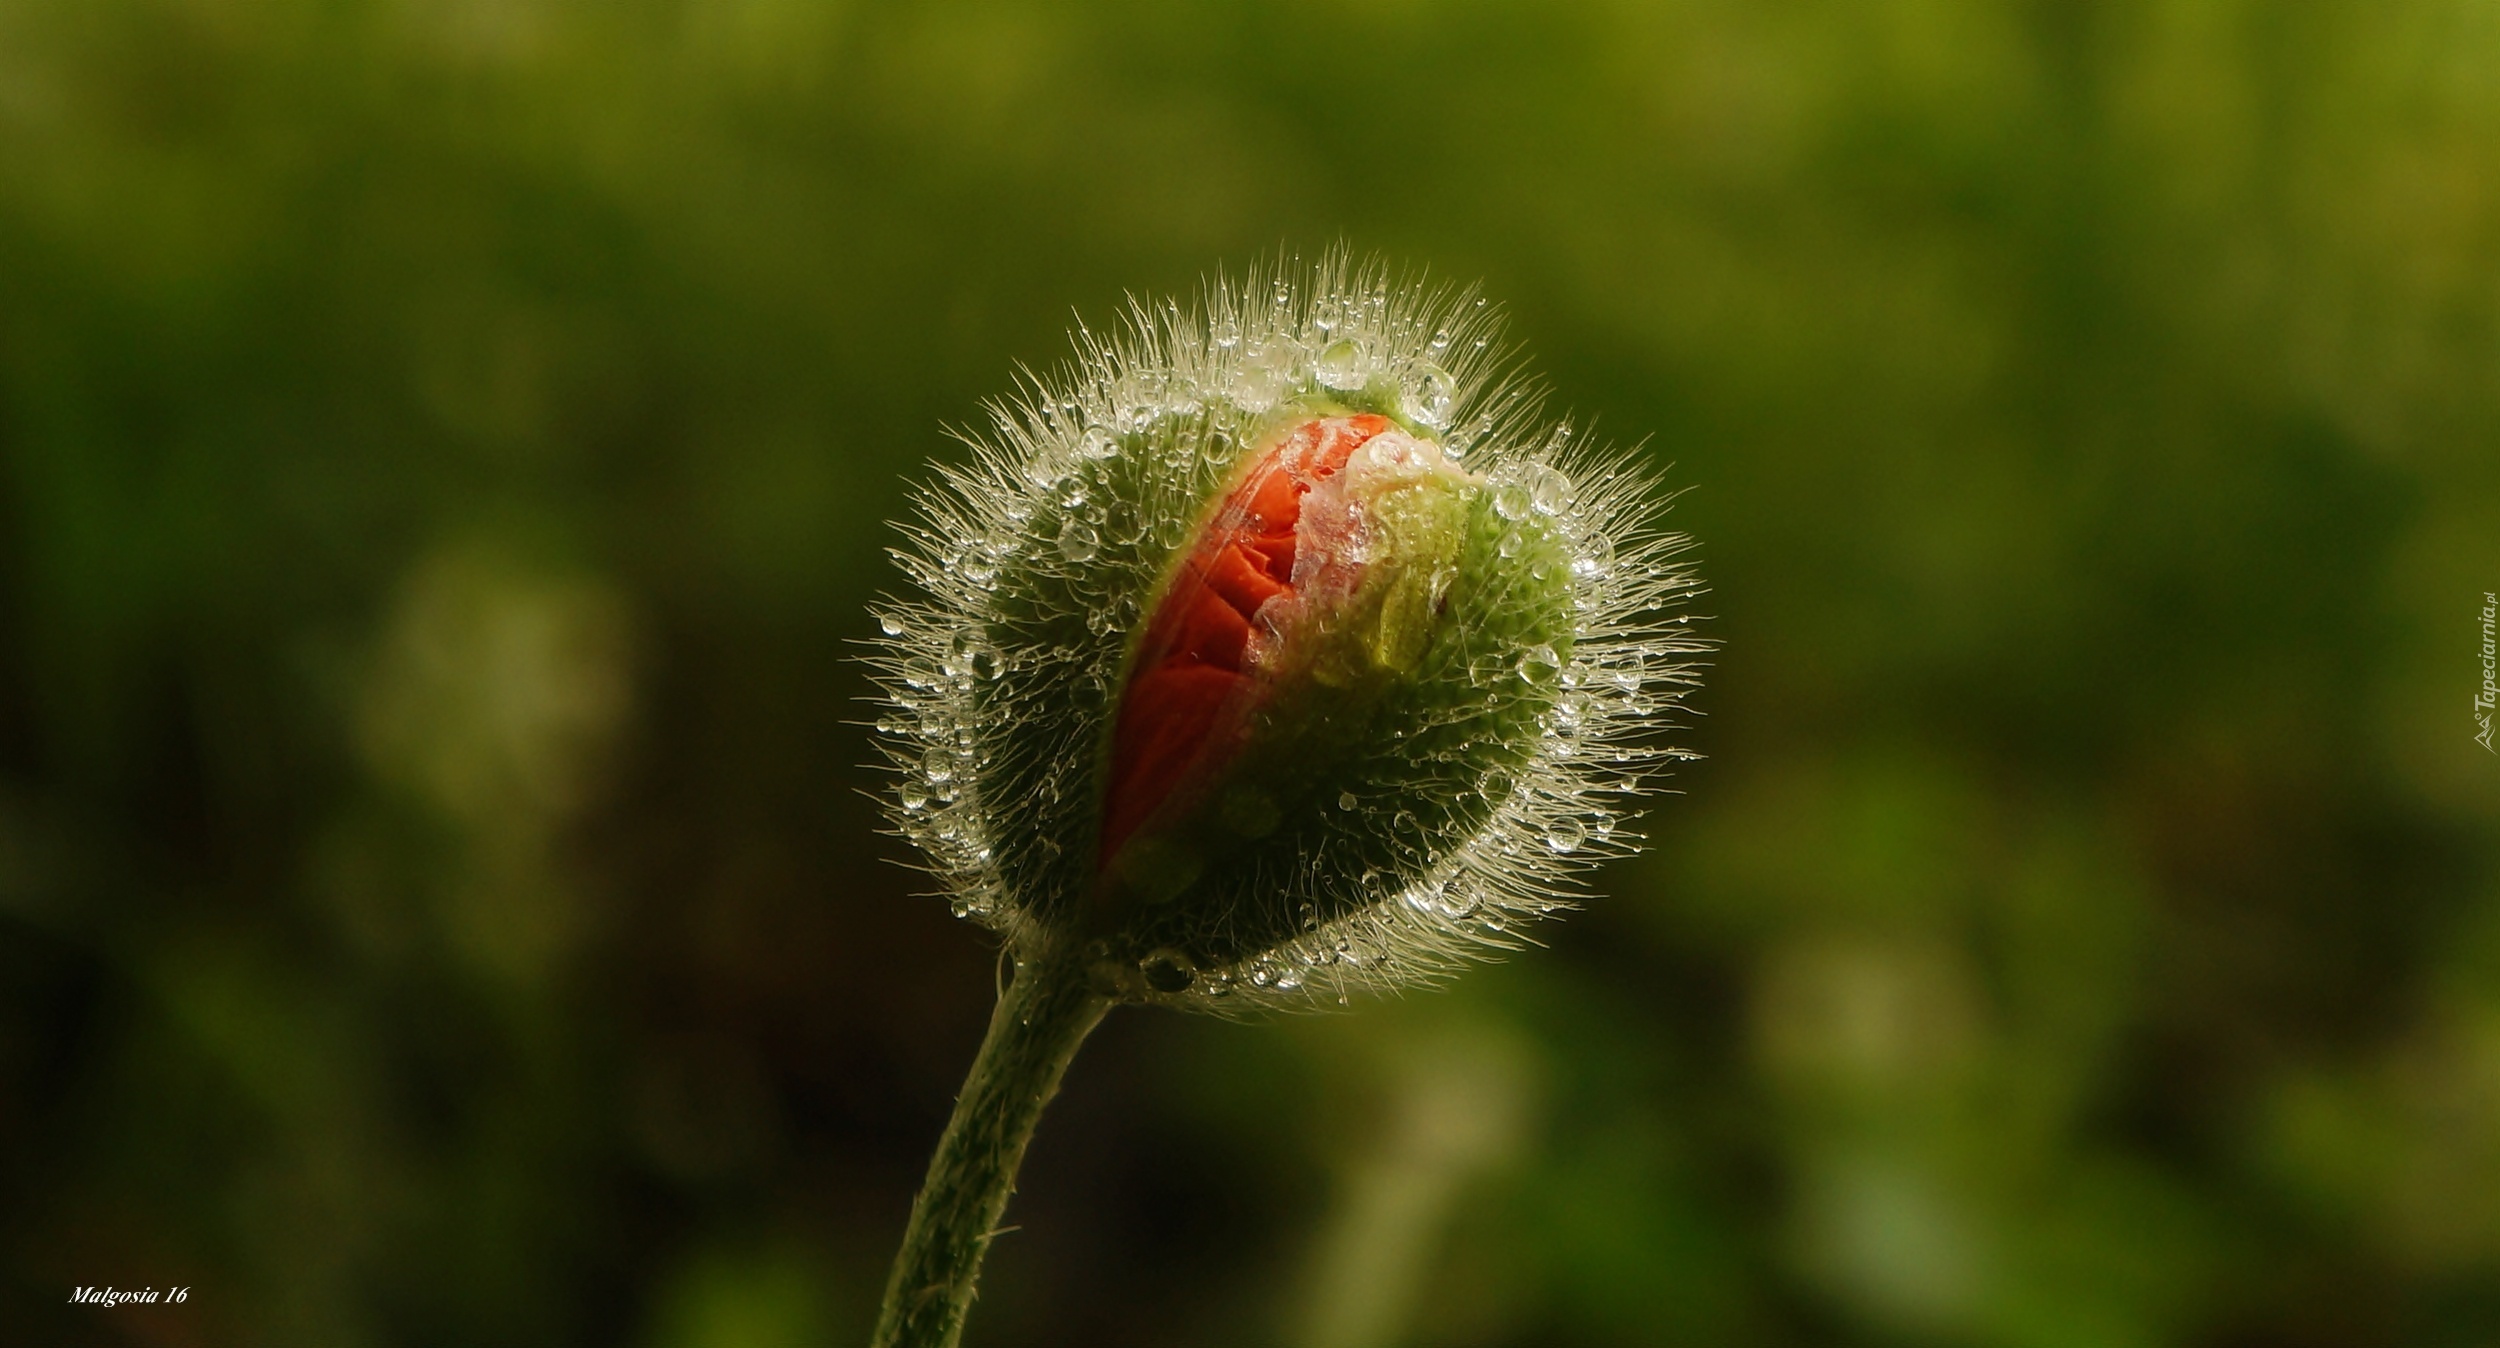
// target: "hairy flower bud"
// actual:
[[1278, 650]]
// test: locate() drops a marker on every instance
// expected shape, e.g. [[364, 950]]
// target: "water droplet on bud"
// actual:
[[1510, 501], [1341, 365], [1565, 835], [1078, 542], [1549, 491], [1168, 970], [1430, 396]]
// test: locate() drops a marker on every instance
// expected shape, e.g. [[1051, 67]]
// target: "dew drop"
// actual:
[[915, 797], [1097, 443], [1539, 663], [1565, 835], [1510, 544], [1168, 970], [1511, 501], [1345, 800], [1341, 365], [1078, 542], [1261, 379], [1549, 491], [1431, 396], [889, 624]]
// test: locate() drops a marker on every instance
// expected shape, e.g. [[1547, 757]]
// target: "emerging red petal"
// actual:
[[1192, 686]]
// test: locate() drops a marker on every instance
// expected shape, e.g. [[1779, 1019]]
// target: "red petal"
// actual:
[[1158, 748], [1190, 679], [1244, 585], [1211, 632]]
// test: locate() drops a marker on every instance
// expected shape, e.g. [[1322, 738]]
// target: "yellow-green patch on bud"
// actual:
[[1398, 515]]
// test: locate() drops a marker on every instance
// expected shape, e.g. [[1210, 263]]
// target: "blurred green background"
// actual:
[[445, 447]]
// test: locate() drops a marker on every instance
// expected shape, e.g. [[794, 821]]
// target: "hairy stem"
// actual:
[[1042, 1016]]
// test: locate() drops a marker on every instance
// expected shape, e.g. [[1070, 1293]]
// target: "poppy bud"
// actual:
[[1278, 651]]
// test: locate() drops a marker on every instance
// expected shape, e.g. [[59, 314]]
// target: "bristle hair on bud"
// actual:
[[1504, 766]]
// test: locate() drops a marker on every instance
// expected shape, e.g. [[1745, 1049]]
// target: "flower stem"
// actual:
[[1044, 1013]]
